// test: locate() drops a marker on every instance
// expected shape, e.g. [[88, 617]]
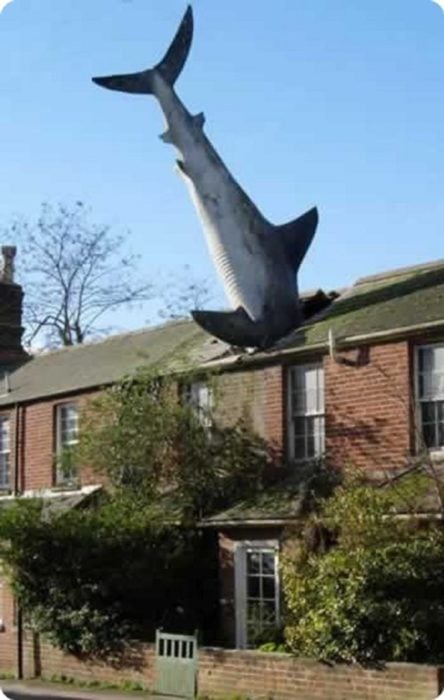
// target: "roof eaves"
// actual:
[[248, 522]]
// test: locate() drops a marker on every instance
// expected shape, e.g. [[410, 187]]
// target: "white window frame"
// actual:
[[292, 414], [5, 453], [240, 584], [419, 433], [61, 442], [193, 393]]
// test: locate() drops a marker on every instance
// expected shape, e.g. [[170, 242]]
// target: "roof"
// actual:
[[395, 300], [280, 503], [390, 303], [97, 364], [55, 502]]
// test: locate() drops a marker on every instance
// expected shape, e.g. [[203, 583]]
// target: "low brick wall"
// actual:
[[49, 663], [281, 677], [256, 675]]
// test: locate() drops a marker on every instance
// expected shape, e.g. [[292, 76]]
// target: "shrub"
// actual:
[[376, 594]]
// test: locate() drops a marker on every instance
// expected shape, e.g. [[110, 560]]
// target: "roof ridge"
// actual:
[[399, 272]]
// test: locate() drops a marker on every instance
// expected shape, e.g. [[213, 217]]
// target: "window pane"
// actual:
[[4, 435], [440, 423], [4, 471], [311, 390], [428, 432], [299, 427], [428, 411], [310, 446], [268, 587], [438, 357], [254, 612], [269, 612], [253, 587], [268, 562], [425, 360], [253, 562], [431, 385], [300, 448]]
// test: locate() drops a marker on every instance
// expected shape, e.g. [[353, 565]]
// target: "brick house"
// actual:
[[360, 383]]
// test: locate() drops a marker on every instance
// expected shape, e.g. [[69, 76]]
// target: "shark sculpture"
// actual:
[[256, 260]]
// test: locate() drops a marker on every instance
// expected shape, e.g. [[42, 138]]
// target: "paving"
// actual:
[[35, 690]]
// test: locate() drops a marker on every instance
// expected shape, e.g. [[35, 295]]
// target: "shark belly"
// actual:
[[227, 215], [232, 245]]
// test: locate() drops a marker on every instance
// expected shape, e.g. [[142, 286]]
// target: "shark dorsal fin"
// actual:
[[297, 235]]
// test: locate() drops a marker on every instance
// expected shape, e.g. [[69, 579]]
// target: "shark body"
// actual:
[[256, 260]]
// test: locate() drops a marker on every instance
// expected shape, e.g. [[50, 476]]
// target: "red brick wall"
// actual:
[[281, 677], [37, 443], [8, 646], [368, 408], [368, 405], [52, 663], [256, 396], [254, 674]]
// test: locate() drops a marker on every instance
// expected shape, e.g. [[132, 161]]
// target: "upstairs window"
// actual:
[[67, 437], [430, 367], [306, 425], [199, 395], [5, 457]]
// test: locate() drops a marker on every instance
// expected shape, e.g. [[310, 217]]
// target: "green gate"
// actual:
[[176, 664]]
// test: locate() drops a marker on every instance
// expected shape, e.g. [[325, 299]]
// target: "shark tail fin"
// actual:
[[170, 66]]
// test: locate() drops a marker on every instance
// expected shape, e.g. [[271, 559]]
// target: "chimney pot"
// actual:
[[8, 253]]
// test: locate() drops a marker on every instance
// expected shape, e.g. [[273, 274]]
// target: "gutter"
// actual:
[[346, 342]]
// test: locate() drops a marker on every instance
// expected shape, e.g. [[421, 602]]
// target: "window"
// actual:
[[199, 396], [5, 462], [257, 592], [67, 436], [306, 412], [430, 371]]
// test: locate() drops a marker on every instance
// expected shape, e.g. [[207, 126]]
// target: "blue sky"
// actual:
[[338, 103]]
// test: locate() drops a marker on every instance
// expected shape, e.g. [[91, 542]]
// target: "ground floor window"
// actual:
[[257, 592]]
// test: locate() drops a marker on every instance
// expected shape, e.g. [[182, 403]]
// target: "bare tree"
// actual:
[[182, 293], [74, 273]]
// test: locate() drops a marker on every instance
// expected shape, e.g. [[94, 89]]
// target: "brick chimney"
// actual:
[[11, 297]]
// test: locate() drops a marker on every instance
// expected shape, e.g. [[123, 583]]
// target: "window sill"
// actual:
[[436, 455]]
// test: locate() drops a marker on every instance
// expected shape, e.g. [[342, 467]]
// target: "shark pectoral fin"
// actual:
[[297, 235], [166, 137], [233, 327], [182, 168]]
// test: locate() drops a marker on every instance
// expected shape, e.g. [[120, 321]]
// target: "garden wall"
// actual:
[[256, 675]]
